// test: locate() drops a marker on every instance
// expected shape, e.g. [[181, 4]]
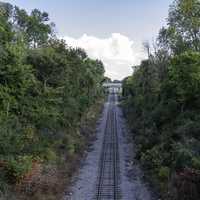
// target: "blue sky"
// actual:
[[82, 22]]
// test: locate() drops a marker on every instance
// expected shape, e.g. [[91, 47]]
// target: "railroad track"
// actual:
[[107, 187]]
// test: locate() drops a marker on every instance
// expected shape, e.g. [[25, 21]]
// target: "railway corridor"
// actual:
[[108, 171]]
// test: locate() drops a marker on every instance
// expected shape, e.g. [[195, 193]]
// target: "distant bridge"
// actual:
[[113, 87]]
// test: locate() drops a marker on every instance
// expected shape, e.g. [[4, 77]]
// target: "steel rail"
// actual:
[[107, 187]]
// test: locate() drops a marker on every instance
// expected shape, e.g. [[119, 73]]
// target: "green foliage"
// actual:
[[45, 88], [184, 17], [161, 98], [152, 159], [34, 27], [184, 78], [17, 167], [164, 173], [183, 158], [196, 162], [183, 31]]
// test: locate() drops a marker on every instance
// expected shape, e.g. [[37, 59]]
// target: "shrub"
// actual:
[[152, 159], [164, 173], [16, 168], [196, 162]]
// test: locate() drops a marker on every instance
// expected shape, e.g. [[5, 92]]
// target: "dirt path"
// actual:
[[108, 171]]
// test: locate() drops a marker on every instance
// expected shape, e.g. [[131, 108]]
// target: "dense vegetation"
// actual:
[[45, 88], [162, 102]]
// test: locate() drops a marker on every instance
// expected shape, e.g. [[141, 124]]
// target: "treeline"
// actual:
[[45, 88], [162, 102]]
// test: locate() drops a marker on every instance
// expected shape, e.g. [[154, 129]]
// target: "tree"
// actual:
[[184, 79], [161, 101], [34, 27], [183, 31], [45, 89]]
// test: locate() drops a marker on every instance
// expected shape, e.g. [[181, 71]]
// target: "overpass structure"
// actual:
[[113, 87]]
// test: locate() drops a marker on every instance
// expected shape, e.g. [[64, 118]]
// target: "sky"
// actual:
[[110, 30]]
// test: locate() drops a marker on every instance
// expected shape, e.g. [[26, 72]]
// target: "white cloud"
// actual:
[[118, 52]]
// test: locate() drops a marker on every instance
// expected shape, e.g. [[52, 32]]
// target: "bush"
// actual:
[[16, 168], [196, 162], [164, 173], [152, 159]]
